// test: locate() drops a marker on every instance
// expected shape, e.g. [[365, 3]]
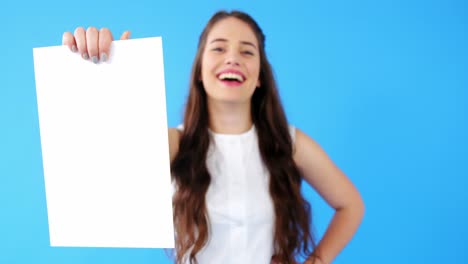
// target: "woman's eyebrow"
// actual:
[[248, 43], [218, 40], [225, 40]]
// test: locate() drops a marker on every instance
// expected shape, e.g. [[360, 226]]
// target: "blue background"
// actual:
[[381, 85]]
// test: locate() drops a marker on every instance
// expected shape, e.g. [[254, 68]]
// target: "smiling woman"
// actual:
[[236, 162], [231, 58]]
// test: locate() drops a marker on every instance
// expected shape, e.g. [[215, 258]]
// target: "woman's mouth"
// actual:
[[231, 78]]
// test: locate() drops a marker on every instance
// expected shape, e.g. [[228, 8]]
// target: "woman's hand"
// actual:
[[92, 43], [315, 260]]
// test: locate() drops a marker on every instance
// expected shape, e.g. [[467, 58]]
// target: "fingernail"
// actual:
[[94, 59], [74, 48], [103, 56], [85, 56]]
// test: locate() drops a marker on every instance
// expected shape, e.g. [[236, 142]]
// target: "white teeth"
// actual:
[[231, 75]]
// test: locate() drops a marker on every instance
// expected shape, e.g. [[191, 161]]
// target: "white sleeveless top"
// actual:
[[240, 209]]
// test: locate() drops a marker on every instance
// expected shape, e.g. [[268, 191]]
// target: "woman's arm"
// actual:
[[336, 189], [174, 139]]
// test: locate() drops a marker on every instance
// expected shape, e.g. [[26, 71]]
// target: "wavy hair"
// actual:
[[292, 233]]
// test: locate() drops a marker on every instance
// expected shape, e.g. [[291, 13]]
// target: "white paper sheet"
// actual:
[[105, 146]]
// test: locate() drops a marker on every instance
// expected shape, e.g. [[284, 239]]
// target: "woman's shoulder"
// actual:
[[292, 132]]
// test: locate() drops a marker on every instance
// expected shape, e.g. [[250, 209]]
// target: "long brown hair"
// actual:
[[292, 234]]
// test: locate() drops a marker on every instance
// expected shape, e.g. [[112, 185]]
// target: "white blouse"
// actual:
[[240, 209]]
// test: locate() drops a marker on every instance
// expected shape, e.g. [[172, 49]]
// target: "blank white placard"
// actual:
[[105, 148]]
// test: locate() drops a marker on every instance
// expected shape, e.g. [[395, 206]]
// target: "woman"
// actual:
[[236, 163]]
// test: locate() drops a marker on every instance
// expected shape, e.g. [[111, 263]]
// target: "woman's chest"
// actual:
[[239, 190]]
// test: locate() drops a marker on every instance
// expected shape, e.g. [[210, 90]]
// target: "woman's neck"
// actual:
[[228, 118]]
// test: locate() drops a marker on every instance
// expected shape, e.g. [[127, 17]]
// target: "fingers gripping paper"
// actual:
[[105, 146]]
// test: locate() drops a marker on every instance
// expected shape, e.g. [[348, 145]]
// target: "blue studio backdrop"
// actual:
[[381, 85]]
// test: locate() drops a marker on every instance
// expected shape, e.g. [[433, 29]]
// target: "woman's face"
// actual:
[[230, 64]]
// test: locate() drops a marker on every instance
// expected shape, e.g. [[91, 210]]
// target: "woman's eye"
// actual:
[[217, 49], [248, 52]]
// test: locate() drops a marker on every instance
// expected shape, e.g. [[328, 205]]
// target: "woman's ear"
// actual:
[[258, 84]]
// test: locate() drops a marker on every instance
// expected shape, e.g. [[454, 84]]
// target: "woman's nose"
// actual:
[[232, 59]]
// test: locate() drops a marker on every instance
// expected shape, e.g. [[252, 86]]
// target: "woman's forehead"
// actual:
[[232, 29]]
